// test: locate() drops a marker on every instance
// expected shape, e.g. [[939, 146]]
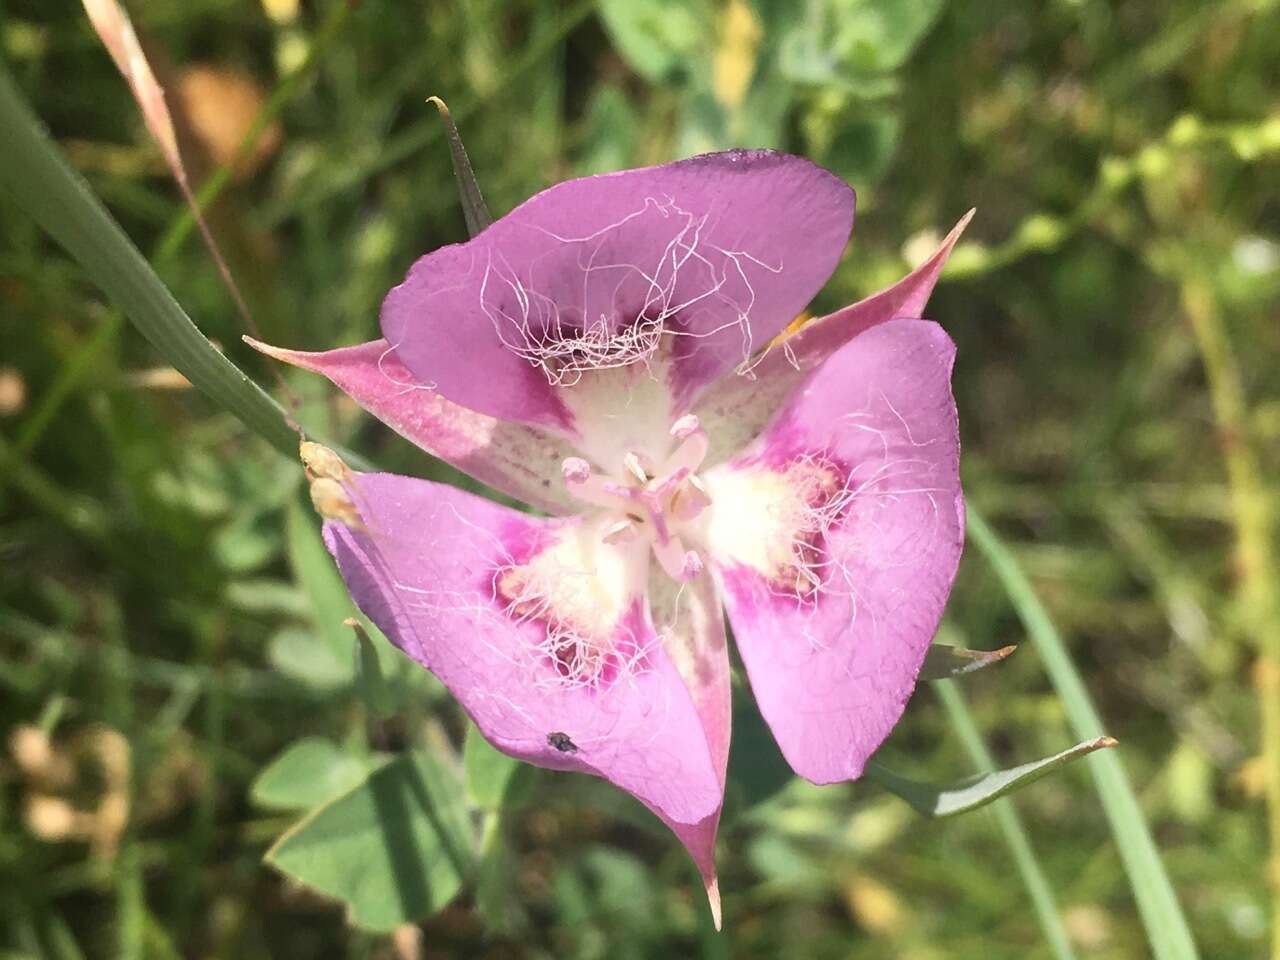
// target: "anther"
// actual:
[[693, 445], [692, 566], [588, 487], [575, 470], [679, 563], [624, 531], [631, 460], [686, 426], [690, 500], [331, 500]]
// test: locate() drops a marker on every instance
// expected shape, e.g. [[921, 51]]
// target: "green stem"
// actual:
[[285, 91], [1256, 567], [41, 181], [1166, 926], [1006, 814], [80, 362]]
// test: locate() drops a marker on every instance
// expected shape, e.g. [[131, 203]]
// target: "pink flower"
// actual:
[[602, 353]]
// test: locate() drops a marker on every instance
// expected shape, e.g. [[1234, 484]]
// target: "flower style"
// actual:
[[609, 353]]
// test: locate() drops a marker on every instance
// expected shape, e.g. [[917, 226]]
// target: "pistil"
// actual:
[[649, 502]]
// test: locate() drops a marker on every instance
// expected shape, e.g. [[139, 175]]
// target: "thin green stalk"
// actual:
[[1256, 568], [426, 131], [1006, 815], [80, 362], [285, 91], [81, 514], [34, 172], [1166, 926]]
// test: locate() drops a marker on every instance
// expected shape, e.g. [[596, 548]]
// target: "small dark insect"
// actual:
[[561, 742]]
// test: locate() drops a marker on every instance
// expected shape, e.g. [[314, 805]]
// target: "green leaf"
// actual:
[[395, 849], [1006, 816], [489, 774], [488, 771], [934, 800], [1166, 926], [943, 661], [877, 36], [41, 182], [757, 769], [609, 132], [862, 148], [370, 681], [658, 37], [853, 43], [309, 772], [296, 653]]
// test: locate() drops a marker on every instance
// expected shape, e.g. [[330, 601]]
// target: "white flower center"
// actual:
[[657, 502]]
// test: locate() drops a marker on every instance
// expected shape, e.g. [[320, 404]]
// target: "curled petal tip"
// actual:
[[713, 901], [953, 237]]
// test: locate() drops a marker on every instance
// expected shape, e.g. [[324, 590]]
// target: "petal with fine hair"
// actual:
[[837, 536], [687, 269], [539, 630]]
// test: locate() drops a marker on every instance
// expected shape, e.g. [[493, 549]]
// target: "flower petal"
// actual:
[[537, 628], [520, 461], [689, 619], [837, 536], [699, 262], [738, 405]]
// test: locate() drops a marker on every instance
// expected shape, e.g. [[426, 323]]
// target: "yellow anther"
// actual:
[[331, 500], [320, 461]]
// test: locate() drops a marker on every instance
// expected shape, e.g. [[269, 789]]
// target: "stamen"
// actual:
[[685, 426], [650, 502], [692, 566], [575, 470], [631, 460], [589, 488], [693, 445], [690, 500], [679, 563], [624, 531]]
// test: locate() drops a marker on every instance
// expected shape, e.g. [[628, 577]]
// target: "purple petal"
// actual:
[[699, 263], [837, 537], [537, 628], [690, 621], [738, 406], [521, 461]]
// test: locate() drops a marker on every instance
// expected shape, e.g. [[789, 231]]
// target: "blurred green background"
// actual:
[[168, 628]]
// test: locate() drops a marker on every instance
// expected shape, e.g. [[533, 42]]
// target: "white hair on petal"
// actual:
[[532, 325]]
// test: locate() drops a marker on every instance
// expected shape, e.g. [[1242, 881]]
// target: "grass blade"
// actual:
[[1166, 926], [41, 181], [1006, 815]]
